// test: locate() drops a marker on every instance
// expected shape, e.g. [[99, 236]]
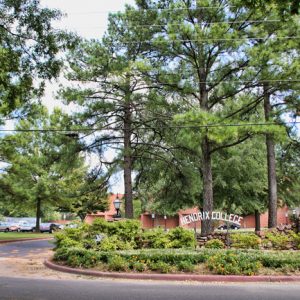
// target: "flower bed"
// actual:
[[225, 262], [124, 246]]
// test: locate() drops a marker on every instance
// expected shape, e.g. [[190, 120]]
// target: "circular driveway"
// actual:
[[26, 249]]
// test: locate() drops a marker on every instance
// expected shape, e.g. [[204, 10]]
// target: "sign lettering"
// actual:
[[215, 215]]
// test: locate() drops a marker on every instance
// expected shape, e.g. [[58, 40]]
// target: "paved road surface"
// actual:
[[23, 249], [39, 289], [23, 277]]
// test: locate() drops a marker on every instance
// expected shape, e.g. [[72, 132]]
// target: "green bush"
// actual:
[[278, 259], [138, 266], [155, 238], [126, 230], [219, 261], [245, 241], [186, 266], [295, 237], [117, 263], [159, 266], [181, 238], [279, 241], [230, 263], [215, 244]]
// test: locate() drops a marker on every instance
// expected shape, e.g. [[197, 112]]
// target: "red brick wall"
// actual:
[[158, 221], [249, 221]]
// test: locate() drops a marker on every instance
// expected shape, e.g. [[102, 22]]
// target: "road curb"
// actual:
[[24, 240], [171, 277]]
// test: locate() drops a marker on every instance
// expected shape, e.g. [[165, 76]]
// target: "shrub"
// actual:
[[101, 226], [117, 263], [281, 259], [226, 263], [295, 239], [159, 266], [215, 244], [279, 241], [126, 230], [155, 238], [67, 242], [245, 241], [139, 266], [186, 266], [181, 238]]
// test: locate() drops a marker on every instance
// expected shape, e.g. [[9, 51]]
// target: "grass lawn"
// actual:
[[20, 235]]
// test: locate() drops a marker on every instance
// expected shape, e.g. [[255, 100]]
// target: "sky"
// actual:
[[89, 19]]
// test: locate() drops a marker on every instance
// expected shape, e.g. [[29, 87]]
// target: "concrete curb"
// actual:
[[24, 240], [172, 277]]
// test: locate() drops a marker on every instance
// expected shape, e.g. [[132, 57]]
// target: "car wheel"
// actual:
[[6, 230]]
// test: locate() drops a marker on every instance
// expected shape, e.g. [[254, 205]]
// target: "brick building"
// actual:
[[149, 220], [108, 215]]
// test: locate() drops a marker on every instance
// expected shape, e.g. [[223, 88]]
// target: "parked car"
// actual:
[[24, 226], [55, 227], [45, 227], [50, 227], [14, 227], [232, 226], [4, 226]]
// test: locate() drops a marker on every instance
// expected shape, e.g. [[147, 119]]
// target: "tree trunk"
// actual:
[[127, 162], [272, 182], [207, 186], [206, 225], [38, 215], [257, 220]]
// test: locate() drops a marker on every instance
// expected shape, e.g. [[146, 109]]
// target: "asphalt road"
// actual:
[[22, 249], [39, 289]]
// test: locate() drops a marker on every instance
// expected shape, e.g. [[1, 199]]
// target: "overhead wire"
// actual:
[[210, 39], [156, 9], [188, 23], [93, 129]]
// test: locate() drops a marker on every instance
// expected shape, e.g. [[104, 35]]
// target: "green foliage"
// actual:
[[214, 244], [245, 241], [181, 238], [29, 47], [186, 266], [226, 263], [218, 261], [139, 267], [296, 239], [160, 267], [117, 263], [114, 243], [278, 240], [155, 238], [44, 171], [280, 259]]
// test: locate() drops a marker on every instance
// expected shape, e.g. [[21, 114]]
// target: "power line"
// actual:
[[244, 81], [180, 24], [148, 128], [154, 9], [212, 39]]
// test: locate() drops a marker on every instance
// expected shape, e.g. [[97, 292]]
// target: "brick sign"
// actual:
[[215, 215]]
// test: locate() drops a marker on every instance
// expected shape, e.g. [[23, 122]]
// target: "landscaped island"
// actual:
[[124, 246]]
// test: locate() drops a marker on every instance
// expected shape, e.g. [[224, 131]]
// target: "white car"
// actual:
[[24, 226], [4, 226]]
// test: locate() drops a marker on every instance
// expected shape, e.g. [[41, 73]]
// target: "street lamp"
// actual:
[[165, 218], [153, 217], [117, 204]]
